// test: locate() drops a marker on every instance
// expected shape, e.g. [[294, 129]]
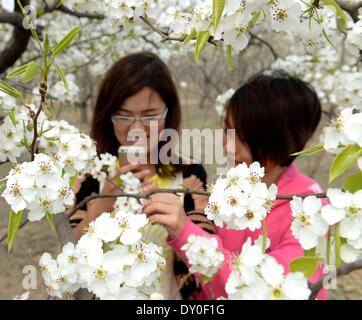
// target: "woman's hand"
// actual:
[[194, 183], [166, 209]]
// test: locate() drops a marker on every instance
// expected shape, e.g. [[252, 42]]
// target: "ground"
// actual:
[[36, 238]]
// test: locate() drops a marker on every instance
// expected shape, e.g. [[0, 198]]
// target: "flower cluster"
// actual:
[[16, 132], [312, 222], [110, 260], [221, 101], [77, 150], [241, 200], [238, 17], [204, 255], [39, 186], [104, 167], [257, 276]]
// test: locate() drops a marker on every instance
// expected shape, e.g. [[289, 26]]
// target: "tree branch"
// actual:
[[19, 40], [13, 18], [266, 43], [79, 14], [341, 271], [351, 8]]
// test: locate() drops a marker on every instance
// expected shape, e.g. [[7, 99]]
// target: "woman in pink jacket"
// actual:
[[273, 117]]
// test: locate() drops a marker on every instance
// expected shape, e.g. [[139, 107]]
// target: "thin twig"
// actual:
[[341, 271], [266, 43]]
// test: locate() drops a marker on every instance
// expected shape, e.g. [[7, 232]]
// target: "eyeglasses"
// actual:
[[126, 121]]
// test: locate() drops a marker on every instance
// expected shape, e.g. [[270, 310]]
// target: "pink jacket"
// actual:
[[284, 247]]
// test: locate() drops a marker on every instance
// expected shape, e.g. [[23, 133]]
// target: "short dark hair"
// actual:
[[124, 79], [274, 115]]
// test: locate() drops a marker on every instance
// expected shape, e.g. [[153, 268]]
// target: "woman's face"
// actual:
[[145, 103], [241, 151]]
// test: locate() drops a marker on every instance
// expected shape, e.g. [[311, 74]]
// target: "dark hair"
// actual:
[[124, 79], [274, 115]]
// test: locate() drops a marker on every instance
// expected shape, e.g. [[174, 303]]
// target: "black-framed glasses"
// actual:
[[127, 121]]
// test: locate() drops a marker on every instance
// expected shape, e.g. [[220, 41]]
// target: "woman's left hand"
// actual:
[[166, 209]]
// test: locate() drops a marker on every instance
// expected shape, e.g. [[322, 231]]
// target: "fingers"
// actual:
[[166, 198], [193, 183], [157, 208], [142, 174], [129, 167], [148, 186]]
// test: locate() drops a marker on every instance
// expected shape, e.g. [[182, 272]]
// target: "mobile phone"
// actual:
[[127, 154]]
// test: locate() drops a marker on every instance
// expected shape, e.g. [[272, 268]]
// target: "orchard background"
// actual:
[[330, 60]]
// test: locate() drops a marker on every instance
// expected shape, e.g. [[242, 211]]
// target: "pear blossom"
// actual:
[[104, 166], [240, 200], [346, 208], [39, 186], [308, 223], [203, 254], [343, 130], [257, 276]]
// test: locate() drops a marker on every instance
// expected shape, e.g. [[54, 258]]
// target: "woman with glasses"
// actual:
[[138, 95]]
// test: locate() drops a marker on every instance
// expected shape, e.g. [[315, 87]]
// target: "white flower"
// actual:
[[104, 167], [346, 208], [39, 186], [129, 225], [203, 254], [241, 200], [343, 130], [285, 15], [308, 224], [22, 296], [258, 276], [349, 253]]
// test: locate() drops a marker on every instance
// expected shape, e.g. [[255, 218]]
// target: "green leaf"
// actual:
[[118, 181], [12, 118], [328, 39], [190, 36], [15, 219], [310, 252], [309, 151], [229, 56], [50, 219], [344, 160], [11, 91], [62, 44], [32, 70], [46, 45], [255, 18], [61, 75], [307, 265], [217, 11], [353, 183], [2, 186], [201, 41], [72, 180], [16, 72]]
